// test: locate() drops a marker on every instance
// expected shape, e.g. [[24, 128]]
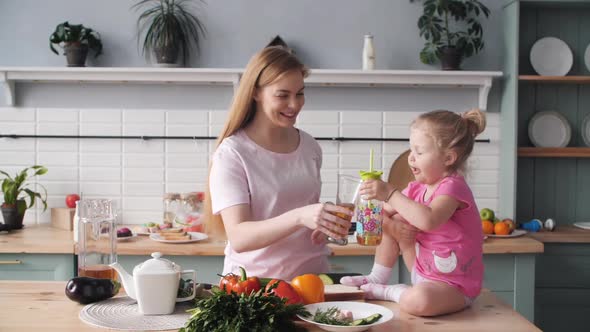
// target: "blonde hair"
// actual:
[[264, 68], [453, 131]]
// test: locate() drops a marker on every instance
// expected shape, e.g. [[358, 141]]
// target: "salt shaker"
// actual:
[[368, 53]]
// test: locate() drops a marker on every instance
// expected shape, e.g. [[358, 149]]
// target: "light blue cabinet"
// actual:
[[36, 266]]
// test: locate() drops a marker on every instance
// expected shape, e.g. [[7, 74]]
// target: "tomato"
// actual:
[[310, 287], [71, 200], [239, 283], [283, 290]]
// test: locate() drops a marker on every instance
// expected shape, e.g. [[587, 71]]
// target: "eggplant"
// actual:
[[86, 290]]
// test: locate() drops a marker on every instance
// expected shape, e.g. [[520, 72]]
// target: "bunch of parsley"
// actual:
[[259, 312]]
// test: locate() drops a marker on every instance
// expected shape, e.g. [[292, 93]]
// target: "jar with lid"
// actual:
[[191, 211], [368, 53], [369, 215], [171, 207]]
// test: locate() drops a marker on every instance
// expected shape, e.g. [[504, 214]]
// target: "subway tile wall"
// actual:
[[137, 173]]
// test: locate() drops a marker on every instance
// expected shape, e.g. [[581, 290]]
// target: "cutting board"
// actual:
[[400, 173], [340, 292]]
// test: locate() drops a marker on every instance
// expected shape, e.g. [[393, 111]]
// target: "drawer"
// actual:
[[36, 266]]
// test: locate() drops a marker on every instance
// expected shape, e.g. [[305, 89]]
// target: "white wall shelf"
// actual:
[[481, 80]]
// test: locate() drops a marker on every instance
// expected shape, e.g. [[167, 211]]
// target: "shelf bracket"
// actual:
[[8, 87], [484, 91]]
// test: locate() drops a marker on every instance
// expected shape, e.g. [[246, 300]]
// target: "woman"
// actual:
[[265, 176]]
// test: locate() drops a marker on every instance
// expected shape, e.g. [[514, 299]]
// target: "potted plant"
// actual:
[[75, 39], [451, 30], [17, 191], [170, 29]]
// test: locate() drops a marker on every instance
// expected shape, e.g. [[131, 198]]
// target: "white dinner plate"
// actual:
[[583, 225], [515, 233], [585, 130], [551, 56], [358, 309], [549, 129], [195, 236]]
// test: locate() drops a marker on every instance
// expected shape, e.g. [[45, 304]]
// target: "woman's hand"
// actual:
[[317, 237], [322, 217], [401, 230], [376, 189]]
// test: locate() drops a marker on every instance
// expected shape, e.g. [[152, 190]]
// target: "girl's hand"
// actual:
[[322, 217], [375, 189]]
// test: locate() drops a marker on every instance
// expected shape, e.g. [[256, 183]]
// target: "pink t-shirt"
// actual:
[[452, 253], [243, 172]]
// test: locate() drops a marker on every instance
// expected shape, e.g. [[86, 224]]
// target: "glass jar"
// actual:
[[171, 207], [97, 239], [191, 211], [369, 216]]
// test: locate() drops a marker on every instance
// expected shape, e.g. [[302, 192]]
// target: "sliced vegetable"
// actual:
[[310, 287]]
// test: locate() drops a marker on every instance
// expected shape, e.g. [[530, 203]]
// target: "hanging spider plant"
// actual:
[[170, 29]]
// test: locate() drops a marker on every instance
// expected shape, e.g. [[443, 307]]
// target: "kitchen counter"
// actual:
[[53, 311], [44, 239], [563, 234]]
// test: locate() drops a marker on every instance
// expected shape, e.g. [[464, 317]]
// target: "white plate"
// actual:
[[195, 236], [585, 130], [583, 225], [358, 309], [515, 233], [551, 56], [549, 129]]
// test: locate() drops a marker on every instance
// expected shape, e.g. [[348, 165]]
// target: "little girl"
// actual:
[[434, 221]]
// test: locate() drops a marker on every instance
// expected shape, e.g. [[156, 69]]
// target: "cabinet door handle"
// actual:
[[14, 262]]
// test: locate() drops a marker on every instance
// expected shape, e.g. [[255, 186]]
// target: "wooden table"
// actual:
[[563, 234], [43, 239], [42, 306]]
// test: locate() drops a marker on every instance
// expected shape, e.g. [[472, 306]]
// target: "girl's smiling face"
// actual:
[[282, 101], [428, 162]]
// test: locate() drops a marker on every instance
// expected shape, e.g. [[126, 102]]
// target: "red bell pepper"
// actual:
[[239, 284], [283, 290]]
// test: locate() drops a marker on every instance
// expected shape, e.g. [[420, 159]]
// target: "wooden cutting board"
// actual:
[[400, 173], [338, 292]]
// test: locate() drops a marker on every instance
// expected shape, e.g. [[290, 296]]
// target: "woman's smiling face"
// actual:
[[282, 101]]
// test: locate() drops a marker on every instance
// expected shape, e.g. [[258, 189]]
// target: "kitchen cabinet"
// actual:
[[548, 182], [36, 266]]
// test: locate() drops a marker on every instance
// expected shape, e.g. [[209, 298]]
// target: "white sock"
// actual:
[[379, 275], [384, 292]]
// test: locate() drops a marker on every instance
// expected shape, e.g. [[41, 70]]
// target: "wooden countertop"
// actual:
[[563, 234], [44, 239], [53, 311]]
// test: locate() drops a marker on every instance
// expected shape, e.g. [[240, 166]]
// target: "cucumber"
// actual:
[[335, 277], [372, 319], [326, 279], [357, 322]]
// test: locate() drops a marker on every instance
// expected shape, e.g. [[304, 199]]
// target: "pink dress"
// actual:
[[271, 183], [452, 253]]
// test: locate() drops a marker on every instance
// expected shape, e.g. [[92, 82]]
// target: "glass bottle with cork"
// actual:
[[369, 213]]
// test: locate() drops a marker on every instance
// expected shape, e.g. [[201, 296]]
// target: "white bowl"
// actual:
[[358, 309]]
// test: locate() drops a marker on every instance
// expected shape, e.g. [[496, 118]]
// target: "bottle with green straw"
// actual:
[[369, 218]]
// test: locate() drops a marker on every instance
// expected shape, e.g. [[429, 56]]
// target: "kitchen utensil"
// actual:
[[358, 309], [582, 225], [551, 56], [515, 233], [400, 173], [339, 292], [195, 237], [154, 284], [549, 129]]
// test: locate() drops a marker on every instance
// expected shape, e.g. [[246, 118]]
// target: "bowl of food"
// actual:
[[344, 316]]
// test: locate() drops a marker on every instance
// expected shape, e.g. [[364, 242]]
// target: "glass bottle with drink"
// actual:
[[346, 196], [171, 207], [369, 213], [97, 239]]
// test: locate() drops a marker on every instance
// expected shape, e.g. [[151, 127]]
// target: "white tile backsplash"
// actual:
[[137, 173]]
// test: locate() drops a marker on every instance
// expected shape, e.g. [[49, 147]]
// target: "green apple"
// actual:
[[487, 214]]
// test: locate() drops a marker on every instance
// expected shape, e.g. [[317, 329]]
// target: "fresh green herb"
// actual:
[[331, 317], [224, 312]]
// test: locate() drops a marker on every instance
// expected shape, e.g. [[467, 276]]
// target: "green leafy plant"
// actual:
[[169, 24], [451, 24], [17, 189], [66, 34]]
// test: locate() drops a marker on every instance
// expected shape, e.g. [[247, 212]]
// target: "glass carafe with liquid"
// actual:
[[97, 238]]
